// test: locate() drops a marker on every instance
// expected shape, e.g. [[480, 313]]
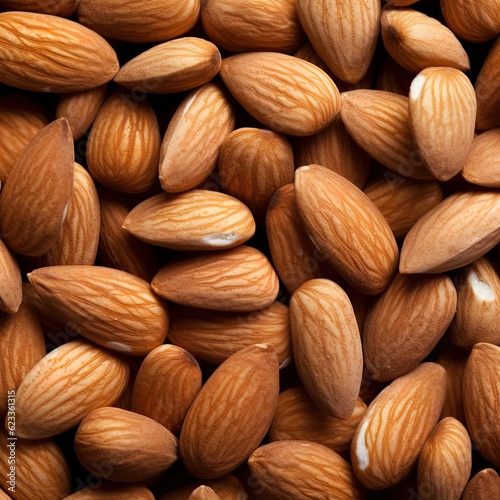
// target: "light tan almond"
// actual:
[[379, 122], [65, 386], [36, 196], [112, 491], [416, 41], [482, 166], [193, 220], [113, 308], [227, 487], [175, 66], [396, 425], [240, 279], [283, 92], [204, 493], [232, 413], [207, 114], [463, 227], [57, 55], [214, 336], [347, 228], [62, 8], [483, 486], [393, 78], [10, 281]]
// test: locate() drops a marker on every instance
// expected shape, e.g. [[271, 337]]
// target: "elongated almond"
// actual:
[[483, 486], [10, 281], [482, 166]]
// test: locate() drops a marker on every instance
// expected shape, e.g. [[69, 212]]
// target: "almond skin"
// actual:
[[204, 493], [347, 228], [65, 386], [240, 279], [10, 281], [232, 413], [395, 427], [112, 308], [112, 491], [482, 166], [283, 92], [193, 220], [483, 486], [62, 56], [460, 229], [63, 8], [227, 487]]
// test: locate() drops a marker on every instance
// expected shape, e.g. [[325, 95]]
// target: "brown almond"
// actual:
[[204, 493], [227, 487], [483, 486], [482, 166], [10, 281], [112, 491]]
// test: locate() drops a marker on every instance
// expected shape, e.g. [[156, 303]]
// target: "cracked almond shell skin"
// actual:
[[113, 308], [283, 92], [65, 386], [232, 413], [347, 228], [483, 486], [57, 55], [396, 425], [462, 228], [482, 166]]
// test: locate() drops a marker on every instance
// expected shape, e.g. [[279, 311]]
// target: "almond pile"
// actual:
[[249, 249]]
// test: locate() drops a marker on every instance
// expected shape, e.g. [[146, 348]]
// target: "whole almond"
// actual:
[[204, 493], [232, 413], [112, 491], [483, 486], [10, 281], [396, 425], [65, 386], [193, 220], [227, 487], [283, 92], [482, 166], [57, 55]]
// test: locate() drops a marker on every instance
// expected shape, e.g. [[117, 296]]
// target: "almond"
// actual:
[[460, 229], [402, 3], [10, 281], [193, 220], [416, 41], [227, 487], [167, 383], [232, 413], [481, 402], [175, 66], [347, 228], [57, 55], [445, 461], [112, 308], [283, 92], [204, 493], [214, 336], [112, 491], [106, 436], [207, 114], [393, 78], [483, 486], [65, 386], [395, 427], [303, 469], [35, 198], [482, 166], [240, 279], [62, 8]]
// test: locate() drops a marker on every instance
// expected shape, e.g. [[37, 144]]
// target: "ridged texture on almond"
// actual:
[[478, 311], [403, 201], [81, 108], [416, 41], [22, 346], [445, 462], [487, 87], [482, 166], [204, 493], [21, 118], [483, 486], [393, 78], [303, 469], [347, 228], [343, 33], [326, 346], [481, 389], [253, 163], [112, 491], [35, 198], [117, 247], [124, 144], [394, 429], [207, 114], [136, 21], [113, 308], [463, 227], [379, 122], [283, 92], [442, 117], [62, 8], [473, 20], [251, 25], [406, 322], [298, 418], [65, 386], [167, 383], [10, 281], [193, 220], [214, 336], [57, 55], [227, 487], [240, 279], [232, 413], [175, 66], [41, 471]]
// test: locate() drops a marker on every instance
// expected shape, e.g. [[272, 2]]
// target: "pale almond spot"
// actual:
[[481, 289], [361, 449], [416, 86]]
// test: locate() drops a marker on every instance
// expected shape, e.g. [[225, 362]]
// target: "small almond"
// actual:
[[204, 493], [485, 485]]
